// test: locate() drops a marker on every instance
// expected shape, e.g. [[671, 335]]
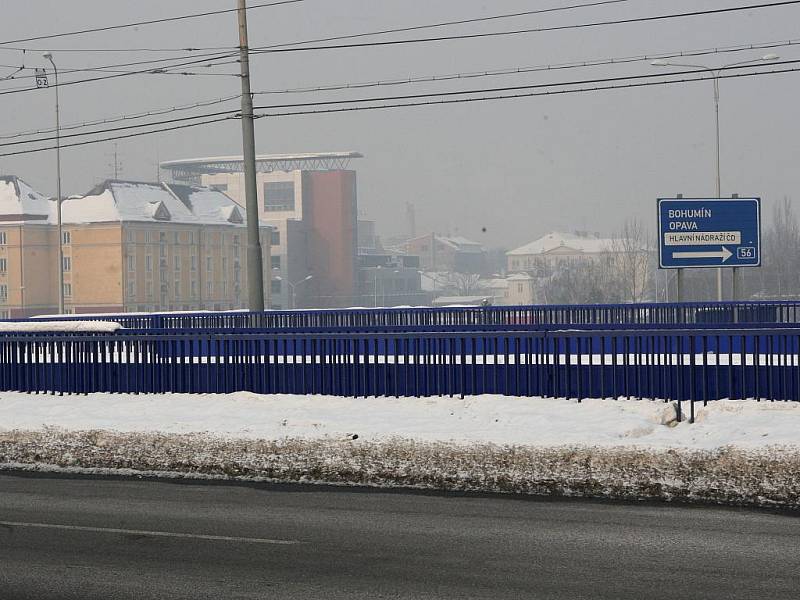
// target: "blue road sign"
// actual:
[[709, 232]]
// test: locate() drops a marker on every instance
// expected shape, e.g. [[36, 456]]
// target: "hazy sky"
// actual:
[[518, 168]]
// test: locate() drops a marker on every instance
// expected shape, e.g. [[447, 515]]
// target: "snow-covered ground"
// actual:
[[736, 451], [483, 419]]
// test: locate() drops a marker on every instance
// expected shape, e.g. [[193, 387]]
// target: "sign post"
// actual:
[[698, 233]]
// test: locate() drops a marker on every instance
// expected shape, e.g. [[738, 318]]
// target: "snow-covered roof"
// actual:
[[497, 283], [115, 201], [19, 202], [458, 243], [586, 244]]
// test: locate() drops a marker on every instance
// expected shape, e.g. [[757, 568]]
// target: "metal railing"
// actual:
[[765, 312], [663, 363]]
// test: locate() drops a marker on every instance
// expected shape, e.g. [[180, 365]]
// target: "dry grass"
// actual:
[[766, 476]]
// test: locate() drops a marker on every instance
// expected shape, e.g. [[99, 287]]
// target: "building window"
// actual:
[[66, 237], [275, 262], [275, 238], [278, 195], [131, 236], [3, 265], [162, 251], [162, 237], [209, 264], [194, 289], [148, 237], [236, 250], [176, 237], [67, 263], [3, 292], [224, 288], [194, 262], [149, 289], [3, 239], [67, 290], [177, 263], [210, 288], [177, 289], [131, 289], [224, 265], [191, 237], [148, 263], [275, 286]]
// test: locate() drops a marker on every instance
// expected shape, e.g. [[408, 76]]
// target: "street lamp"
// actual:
[[294, 285], [49, 56], [715, 72]]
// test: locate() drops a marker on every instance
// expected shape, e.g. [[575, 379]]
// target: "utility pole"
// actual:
[[255, 270], [49, 56]]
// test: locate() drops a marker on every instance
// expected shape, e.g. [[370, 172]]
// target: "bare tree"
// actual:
[[632, 260], [779, 276], [464, 284]]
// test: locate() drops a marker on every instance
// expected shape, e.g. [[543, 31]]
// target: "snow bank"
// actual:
[[741, 452], [69, 326]]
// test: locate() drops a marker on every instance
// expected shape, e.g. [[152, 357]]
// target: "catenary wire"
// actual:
[[194, 61], [523, 87], [637, 84], [518, 70], [269, 49], [279, 48], [149, 22], [389, 98], [119, 118], [532, 69], [357, 35]]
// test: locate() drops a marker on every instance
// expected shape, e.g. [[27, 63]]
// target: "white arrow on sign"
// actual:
[[724, 254]]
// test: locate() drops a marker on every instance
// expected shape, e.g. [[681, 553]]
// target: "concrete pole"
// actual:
[[735, 278], [59, 228], [719, 185], [679, 279], [255, 270]]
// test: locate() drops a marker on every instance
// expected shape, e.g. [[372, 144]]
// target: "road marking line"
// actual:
[[167, 534]]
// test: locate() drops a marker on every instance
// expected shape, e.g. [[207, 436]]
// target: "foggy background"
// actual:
[[517, 168]]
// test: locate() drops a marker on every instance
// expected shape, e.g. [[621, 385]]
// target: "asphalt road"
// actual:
[[110, 538]]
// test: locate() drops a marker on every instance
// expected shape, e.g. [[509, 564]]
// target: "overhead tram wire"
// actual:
[[291, 47], [195, 61], [595, 3], [638, 84], [120, 118], [125, 136], [211, 57], [509, 71], [452, 23], [524, 87], [236, 115], [121, 128], [279, 47], [149, 22], [426, 79]]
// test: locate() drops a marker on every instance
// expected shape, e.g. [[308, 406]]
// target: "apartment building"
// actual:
[[128, 246], [311, 200]]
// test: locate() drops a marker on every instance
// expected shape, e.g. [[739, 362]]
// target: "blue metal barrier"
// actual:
[[669, 364], [763, 312]]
